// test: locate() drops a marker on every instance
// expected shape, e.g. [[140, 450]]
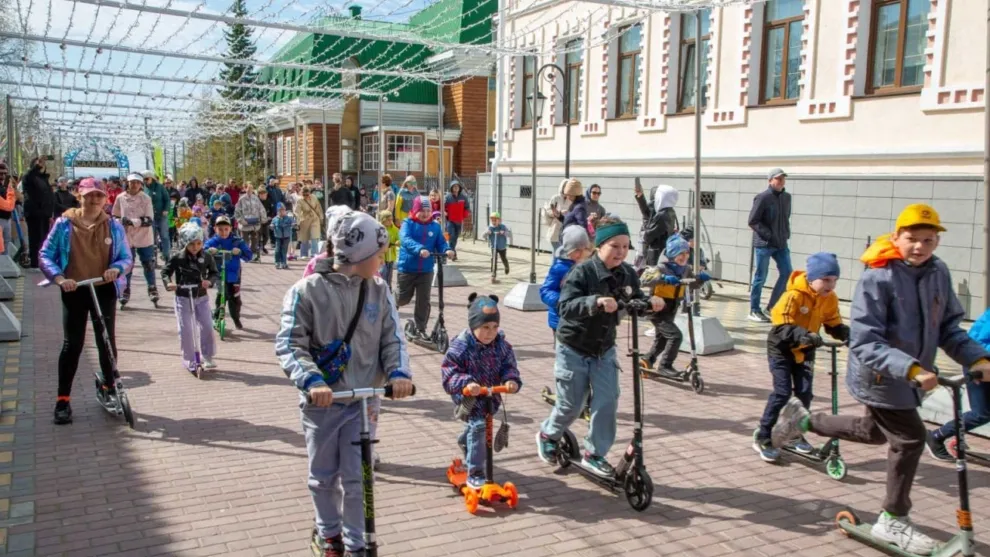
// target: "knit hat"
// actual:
[[357, 236], [687, 233], [609, 231], [573, 187], [571, 239], [189, 232], [676, 246], [333, 214], [482, 309], [279, 206], [821, 265], [418, 204]]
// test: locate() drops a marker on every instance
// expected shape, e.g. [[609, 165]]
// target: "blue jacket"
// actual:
[[550, 291], [414, 237], [234, 263], [980, 331], [282, 226], [54, 255], [496, 240]]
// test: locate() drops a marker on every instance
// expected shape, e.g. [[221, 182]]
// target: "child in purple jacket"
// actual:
[[479, 357]]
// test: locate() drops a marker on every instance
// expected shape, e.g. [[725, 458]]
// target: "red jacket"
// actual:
[[457, 209]]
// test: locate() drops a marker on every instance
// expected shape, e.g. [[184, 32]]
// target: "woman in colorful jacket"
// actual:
[[85, 243]]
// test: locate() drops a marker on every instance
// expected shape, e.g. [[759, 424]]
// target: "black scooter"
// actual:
[[690, 374], [438, 339], [118, 405], [630, 475]]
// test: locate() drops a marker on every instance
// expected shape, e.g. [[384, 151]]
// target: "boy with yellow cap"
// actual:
[[903, 311]]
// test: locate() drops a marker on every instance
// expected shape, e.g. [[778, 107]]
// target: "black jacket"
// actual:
[[577, 214], [64, 200], [583, 326], [39, 200], [190, 270], [355, 197], [3, 194], [661, 226], [770, 219], [192, 192], [341, 196], [270, 206]]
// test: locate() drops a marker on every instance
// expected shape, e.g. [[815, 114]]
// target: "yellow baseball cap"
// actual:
[[919, 214]]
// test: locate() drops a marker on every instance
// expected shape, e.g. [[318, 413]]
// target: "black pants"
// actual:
[[233, 301], [903, 430], [37, 232], [789, 377], [505, 260], [666, 343], [77, 306]]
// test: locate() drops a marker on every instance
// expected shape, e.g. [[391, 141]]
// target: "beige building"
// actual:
[[868, 104]]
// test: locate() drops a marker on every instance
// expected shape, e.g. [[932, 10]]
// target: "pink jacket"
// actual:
[[133, 207], [311, 266]]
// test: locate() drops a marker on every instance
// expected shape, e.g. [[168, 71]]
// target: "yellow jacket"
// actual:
[[799, 311]]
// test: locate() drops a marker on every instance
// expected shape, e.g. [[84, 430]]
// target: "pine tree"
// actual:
[[239, 46]]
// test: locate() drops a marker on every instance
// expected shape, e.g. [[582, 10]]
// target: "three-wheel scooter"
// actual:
[[690, 374], [367, 463], [220, 313], [828, 453], [457, 474], [437, 339], [962, 543], [198, 370], [630, 475]]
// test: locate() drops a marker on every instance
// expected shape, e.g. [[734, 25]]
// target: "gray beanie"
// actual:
[[188, 233], [572, 238], [356, 237]]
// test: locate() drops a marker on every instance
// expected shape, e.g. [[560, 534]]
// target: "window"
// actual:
[[898, 44], [279, 155], [529, 86], [348, 156], [782, 49], [289, 155], [686, 99], [630, 56], [574, 63], [369, 153], [405, 153]]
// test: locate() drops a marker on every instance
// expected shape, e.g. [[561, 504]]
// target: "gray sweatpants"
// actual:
[[420, 285]]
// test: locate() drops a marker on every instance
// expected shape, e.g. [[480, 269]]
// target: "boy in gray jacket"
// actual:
[[316, 314], [903, 311]]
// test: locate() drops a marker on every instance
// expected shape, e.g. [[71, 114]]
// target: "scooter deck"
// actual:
[[864, 533], [490, 492]]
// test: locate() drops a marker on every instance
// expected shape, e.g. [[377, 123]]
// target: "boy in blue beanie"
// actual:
[[808, 303], [665, 282]]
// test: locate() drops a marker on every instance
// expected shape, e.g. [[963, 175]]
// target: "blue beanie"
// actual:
[[821, 265], [676, 246]]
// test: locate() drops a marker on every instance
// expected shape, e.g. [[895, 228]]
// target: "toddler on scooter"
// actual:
[[665, 281], [317, 311], [191, 265], [808, 303], [586, 352], [903, 311], [224, 240], [478, 357], [419, 238], [498, 235]]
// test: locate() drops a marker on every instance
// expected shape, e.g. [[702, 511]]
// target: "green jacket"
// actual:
[[159, 197]]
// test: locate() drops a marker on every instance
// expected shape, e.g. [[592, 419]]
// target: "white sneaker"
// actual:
[[208, 363], [900, 532]]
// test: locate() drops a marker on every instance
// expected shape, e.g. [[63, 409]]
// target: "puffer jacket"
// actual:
[[652, 280], [249, 208], [189, 270], [415, 236], [901, 315], [54, 255], [662, 221], [234, 263], [468, 361], [550, 291], [799, 311]]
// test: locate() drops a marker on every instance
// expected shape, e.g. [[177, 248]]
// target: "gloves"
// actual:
[[812, 339], [146, 222], [126, 221], [841, 332], [671, 280], [704, 277]]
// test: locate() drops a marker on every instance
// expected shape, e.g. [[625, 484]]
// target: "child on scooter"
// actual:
[[575, 247], [664, 281], [498, 235], [586, 352], [903, 311], [239, 250], [419, 239], [317, 312], [478, 357], [808, 303], [979, 399], [190, 266]]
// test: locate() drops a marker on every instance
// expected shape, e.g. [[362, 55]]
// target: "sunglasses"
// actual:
[[596, 192]]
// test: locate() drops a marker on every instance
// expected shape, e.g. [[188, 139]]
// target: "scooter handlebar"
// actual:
[[639, 307], [89, 281], [957, 381], [486, 391], [352, 394], [835, 343]]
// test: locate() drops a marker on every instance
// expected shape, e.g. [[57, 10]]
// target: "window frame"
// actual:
[[681, 59], [417, 140], [290, 155], [527, 105], [637, 58], [897, 88], [768, 27], [369, 144], [577, 68]]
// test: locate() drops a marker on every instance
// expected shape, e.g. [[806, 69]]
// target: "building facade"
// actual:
[[869, 105]]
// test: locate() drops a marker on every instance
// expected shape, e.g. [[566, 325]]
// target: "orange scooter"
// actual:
[[457, 474]]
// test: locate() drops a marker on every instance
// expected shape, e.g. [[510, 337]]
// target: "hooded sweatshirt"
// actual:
[[65, 248], [799, 311], [662, 224], [901, 315]]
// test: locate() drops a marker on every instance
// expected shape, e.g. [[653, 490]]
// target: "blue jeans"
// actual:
[[782, 257], [979, 410], [788, 378], [576, 376], [161, 226], [309, 246], [386, 272], [473, 437], [146, 256], [281, 250], [454, 231], [331, 434]]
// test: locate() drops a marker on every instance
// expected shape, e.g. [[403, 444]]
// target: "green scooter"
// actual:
[[220, 314]]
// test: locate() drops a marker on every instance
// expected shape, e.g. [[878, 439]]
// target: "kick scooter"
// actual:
[[457, 474], [438, 339], [199, 371], [367, 474], [690, 374], [630, 475], [828, 453], [962, 543], [220, 315], [118, 405], [979, 458]]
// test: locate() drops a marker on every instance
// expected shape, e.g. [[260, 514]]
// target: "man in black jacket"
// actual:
[[770, 219], [39, 207], [64, 199]]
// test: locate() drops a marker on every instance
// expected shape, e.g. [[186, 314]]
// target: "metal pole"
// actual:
[[697, 135], [149, 156], [499, 102], [226, 175], [986, 178], [532, 194], [381, 142], [326, 182], [567, 120], [440, 173], [185, 169], [10, 134]]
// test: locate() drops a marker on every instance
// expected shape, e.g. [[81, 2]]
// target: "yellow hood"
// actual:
[[799, 281], [880, 252]]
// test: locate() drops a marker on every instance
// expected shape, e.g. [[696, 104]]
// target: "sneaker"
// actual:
[[63, 412], [153, 294], [803, 446], [327, 547], [936, 448], [668, 369], [765, 450], [597, 465], [208, 363], [475, 482], [788, 428], [546, 448], [900, 532], [758, 316], [237, 324]]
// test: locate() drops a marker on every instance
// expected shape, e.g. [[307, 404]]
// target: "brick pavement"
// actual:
[[217, 467]]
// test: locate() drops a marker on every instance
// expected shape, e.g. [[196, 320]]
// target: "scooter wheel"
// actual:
[[697, 383], [222, 328], [410, 330], [567, 449], [513, 494], [707, 291], [848, 517], [471, 501], [200, 372], [125, 405], [835, 467], [639, 489], [443, 342]]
